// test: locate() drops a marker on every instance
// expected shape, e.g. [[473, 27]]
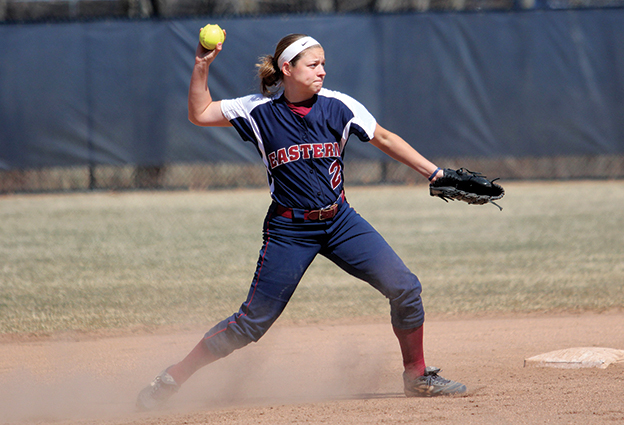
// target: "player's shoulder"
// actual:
[[334, 94], [251, 100], [242, 105], [349, 102]]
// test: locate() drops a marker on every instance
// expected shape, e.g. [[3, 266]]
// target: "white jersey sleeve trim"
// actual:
[[241, 106]]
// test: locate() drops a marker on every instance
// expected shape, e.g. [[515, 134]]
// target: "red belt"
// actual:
[[314, 215]]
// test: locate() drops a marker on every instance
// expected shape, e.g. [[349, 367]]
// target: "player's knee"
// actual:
[[406, 306], [405, 289]]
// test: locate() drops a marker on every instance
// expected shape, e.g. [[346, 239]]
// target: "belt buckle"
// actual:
[[331, 212]]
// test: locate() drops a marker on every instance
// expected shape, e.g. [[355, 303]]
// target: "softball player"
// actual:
[[300, 130]]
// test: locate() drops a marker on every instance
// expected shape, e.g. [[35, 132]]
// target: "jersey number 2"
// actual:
[[336, 174]]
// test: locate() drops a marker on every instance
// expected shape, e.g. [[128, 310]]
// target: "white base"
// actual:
[[575, 358]]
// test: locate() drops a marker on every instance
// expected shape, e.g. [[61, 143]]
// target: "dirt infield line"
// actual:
[[341, 374]]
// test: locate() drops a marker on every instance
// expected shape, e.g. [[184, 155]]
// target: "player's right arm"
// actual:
[[202, 110]]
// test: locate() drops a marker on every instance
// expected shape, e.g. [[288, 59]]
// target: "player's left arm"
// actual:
[[395, 147]]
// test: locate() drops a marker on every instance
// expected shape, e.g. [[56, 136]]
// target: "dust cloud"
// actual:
[[99, 379]]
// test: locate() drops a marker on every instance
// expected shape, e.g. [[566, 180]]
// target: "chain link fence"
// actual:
[[237, 175]]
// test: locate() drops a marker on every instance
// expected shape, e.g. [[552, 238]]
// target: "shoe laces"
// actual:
[[432, 377], [161, 389]]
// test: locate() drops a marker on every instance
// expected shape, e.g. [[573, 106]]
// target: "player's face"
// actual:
[[308, 74]]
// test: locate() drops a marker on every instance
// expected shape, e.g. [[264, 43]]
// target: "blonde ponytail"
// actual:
[[270, 76]]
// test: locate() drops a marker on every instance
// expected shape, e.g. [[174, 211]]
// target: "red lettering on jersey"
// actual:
[[293, 153], [329, 150], [305, 150], [272, 160], [318, 150], [281, 156]]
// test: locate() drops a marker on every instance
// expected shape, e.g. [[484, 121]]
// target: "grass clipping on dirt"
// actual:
[[109, 261]]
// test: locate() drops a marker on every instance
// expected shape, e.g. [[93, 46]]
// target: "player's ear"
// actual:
[[286, 69]]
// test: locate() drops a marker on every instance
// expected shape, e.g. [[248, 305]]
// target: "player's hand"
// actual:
[[205, 56]]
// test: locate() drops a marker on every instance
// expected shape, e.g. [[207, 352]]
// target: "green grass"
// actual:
[[107, 260]]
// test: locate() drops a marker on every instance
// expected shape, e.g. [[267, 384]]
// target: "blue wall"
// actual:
[[532, 83]]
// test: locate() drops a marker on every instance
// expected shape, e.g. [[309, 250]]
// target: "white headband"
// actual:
[[295, 48]]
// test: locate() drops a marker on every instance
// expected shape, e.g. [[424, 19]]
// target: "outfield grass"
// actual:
[[109, 260]]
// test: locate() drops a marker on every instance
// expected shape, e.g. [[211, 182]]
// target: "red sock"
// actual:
[[411, 342], [199, 357]]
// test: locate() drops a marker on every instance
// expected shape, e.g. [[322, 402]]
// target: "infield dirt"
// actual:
[[335, 373]]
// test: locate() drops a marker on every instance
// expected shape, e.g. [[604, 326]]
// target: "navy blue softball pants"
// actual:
[[290, 246]]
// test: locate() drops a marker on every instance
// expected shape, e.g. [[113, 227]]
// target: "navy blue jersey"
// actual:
[[303, 155]]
